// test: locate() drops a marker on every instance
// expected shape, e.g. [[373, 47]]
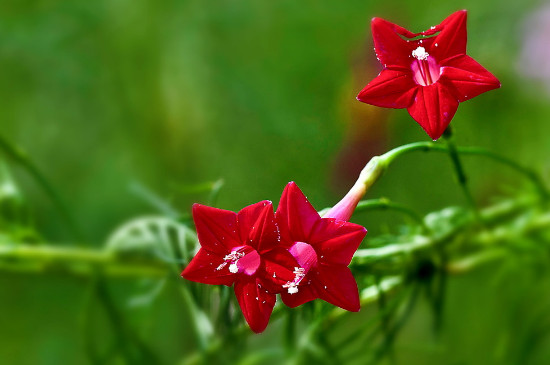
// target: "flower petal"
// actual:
[[336, 241], [257, 226], [468, 77], [216, 228], [390, 89], [279, 268], [306, 293], [203, 268], [295, 216], [336, 285], [433, 108], [255, 301], [451, 41], [392, 50]]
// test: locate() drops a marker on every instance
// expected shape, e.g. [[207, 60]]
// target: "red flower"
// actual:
[[428, 76], [242, 248], [323, 248]]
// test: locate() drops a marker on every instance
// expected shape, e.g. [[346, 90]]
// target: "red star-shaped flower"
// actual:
[[242, 248], [428, 76], [323, 248]]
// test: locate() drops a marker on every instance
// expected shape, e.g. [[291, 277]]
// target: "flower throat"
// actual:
[[425, 69]]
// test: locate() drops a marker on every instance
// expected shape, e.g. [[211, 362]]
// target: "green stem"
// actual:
[[486, 237], [389, 338], [468, 263], [386, 204], [420, 242], [459, 170], [527, 172], [386, 159], [21, 158], [77, 261]]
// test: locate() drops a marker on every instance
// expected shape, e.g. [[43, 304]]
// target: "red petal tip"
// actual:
[[459, 12]]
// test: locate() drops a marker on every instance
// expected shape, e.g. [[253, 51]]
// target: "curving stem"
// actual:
[[459, 170]]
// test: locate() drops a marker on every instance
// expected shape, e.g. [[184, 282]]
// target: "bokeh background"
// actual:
[[111, 97]]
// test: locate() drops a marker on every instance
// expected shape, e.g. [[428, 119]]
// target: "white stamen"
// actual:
[[233, 257], [292, 286], [420, 54]]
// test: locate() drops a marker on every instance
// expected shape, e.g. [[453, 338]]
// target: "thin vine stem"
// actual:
[[21, 158], [386, 204], [390, 156], [459, 171], [527, 172], [80, 262]]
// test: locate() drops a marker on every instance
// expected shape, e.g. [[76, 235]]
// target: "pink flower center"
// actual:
[[304, 254], [243, 259], [425, 69], [306, 257]]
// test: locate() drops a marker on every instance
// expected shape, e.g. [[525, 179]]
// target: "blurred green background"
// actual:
[[104, 95]]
